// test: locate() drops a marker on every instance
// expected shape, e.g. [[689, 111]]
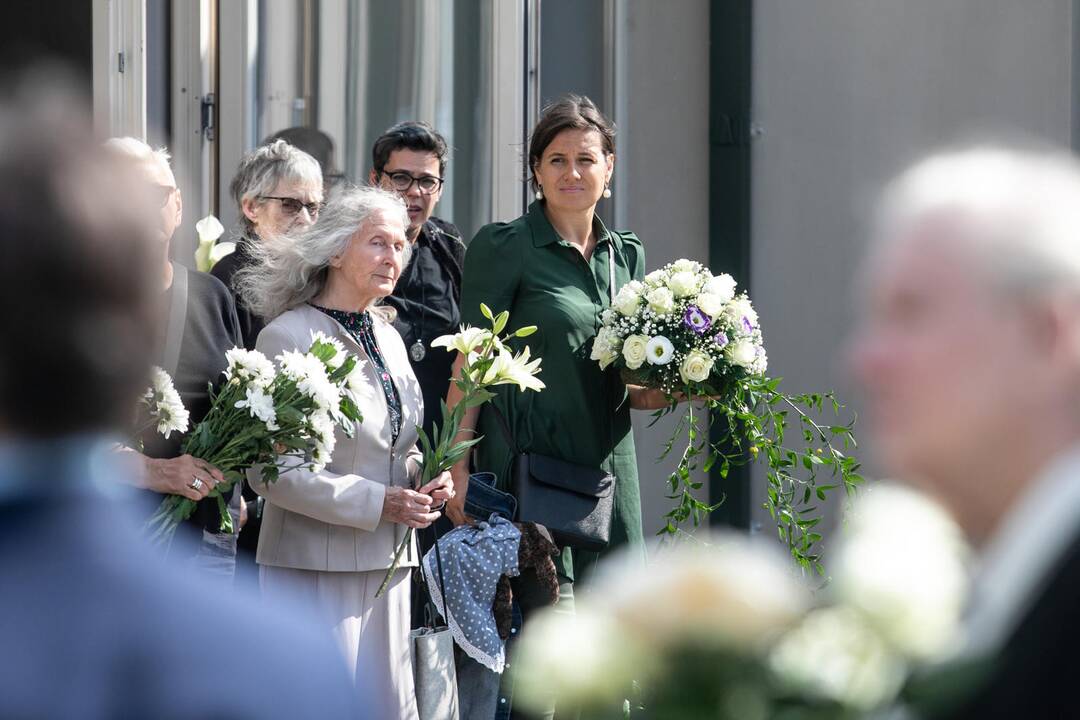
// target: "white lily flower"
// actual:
[[465, 341]]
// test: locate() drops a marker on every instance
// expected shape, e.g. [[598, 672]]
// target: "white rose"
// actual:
[[628, 299], [656, 277], [684, 265], [659, 350], [695, 367], [738, 309], [660, 300], [742, 353], [710, 304], [634, 351], [722, 285], [683, 284]]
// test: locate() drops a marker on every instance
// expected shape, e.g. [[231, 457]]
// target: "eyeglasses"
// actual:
[[402, 181], [292, 206]]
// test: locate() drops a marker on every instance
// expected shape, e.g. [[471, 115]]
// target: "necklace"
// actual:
[[417, 351]]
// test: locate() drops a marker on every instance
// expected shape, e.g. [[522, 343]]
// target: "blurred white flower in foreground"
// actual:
[[903, 563]]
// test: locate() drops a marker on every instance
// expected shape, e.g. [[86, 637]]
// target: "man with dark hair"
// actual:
[[410, 159], [94, 625]]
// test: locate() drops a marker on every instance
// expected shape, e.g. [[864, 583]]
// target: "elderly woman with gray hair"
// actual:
[[278, 190], [330, 536]]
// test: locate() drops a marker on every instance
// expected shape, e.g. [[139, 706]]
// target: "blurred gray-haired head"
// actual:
[[264, 167], [1016, 210], [290, 270], [73, 229], [137, 150]]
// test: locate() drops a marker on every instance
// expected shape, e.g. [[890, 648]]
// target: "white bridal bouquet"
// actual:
[[723, 629], [690, 333], [488, 362], [280, 418]]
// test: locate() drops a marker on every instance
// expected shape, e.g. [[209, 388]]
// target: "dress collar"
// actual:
[[543, 233]]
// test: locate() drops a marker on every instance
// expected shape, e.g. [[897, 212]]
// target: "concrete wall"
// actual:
[[849, 91], [662, 172]]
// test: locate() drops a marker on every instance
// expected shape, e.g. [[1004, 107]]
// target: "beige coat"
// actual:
[[332, 520]]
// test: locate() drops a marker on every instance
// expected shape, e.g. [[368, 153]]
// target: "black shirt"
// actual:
[[225, 270], [210, 329], [427, 300]]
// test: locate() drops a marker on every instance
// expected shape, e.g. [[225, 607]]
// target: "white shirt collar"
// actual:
[[1016, 562]]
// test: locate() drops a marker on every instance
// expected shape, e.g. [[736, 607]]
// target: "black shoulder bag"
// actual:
[[574, 502]]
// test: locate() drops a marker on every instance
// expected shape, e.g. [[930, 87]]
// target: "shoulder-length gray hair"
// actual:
[[291, 270]]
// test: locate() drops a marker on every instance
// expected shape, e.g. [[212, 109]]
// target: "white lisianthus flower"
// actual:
[[464, 341], [628, 298], [903, 564], [683, 284], [661, 300], [165, 404], [834, 654], [722, 286], [695, 367], [742, 353], [605, 347], [738, 310], [635, 351], [710, 304], [318, 336], [249, 366], [659, 350], [260, 405]]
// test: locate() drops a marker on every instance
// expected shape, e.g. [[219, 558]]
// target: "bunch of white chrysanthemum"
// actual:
[[164, 404], [275, 418]]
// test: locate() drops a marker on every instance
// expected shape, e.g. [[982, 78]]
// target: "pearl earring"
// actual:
[[607, 192], [539, 193]]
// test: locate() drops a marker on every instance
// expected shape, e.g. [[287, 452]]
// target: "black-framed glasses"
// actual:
[[292, 206], [402, 181]]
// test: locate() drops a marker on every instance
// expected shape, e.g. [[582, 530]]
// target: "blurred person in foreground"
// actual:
[[93, 625], [196, 326], [969, 350]]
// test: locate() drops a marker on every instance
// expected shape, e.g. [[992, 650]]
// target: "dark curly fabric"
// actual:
[[536, 552]]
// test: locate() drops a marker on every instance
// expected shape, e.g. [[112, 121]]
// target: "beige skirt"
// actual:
[[372, 633]]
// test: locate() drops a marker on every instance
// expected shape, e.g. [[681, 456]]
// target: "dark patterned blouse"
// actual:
[[359, 326]]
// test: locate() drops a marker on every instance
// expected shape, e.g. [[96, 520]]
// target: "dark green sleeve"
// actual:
[[492, 272]]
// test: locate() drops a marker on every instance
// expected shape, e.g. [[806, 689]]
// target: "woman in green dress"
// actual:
[[550, 268]]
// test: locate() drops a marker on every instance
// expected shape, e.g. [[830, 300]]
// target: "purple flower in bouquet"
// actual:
[[696, 320], [721, 340], [748, 327]]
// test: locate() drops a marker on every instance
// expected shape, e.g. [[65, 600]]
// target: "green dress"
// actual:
[[583, 415]]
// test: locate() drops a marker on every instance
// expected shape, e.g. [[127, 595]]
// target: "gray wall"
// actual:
[[849, 91], [662, 171]]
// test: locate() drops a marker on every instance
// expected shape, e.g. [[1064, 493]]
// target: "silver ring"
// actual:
[[196, 483]]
